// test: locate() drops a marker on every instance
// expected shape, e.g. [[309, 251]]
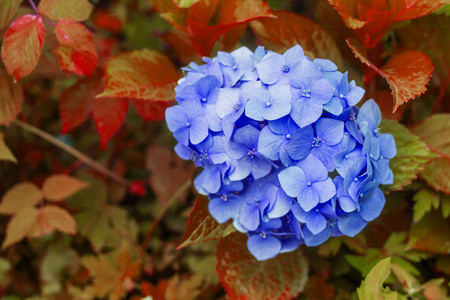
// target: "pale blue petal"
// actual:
[[282, 205], [330, 131], [292, 180], [270, 68], [176, 118], [227, 101], [300, 143], [321, 92], [326, 189], [263, 248], [269, 143], [222, 210], [304, 111], [312, 240], [372, 205], [198, 130], [304, 74], [308, 198], [313, 168]]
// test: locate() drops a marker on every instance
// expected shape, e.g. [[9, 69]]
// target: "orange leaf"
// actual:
[[109, 115], [408, 73], [19, 197], [201, 227], [22, 45], [372, 19], [58, 218], [68, 10], [75, 102], [20, 225], [243, 277], [76, 51], [290, 29], [59, 187], [142, 74], [8, 9], [11, 99], [5, 152]]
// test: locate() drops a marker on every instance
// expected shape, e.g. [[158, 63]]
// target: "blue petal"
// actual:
[[270, 68], [370, 113], [304, 74], [312, 240], [269, 143], [227, 101], [292, 180], [372, 204], [388, 149], [263, 248], [334, 106], [300, 143], [247, 135], [222, 210], [226, 59], [198, 130], [343, 86], [294, 55], [325, 189], [315, 222], [240, 171], [282, 206], [321, 92], [355, 95], [308, 198], [182, 135], [176, 118], [325, 65], [299, 213], [249, 216], [260, 52], [205, 85], [351, 224], [313, 168], [304, 111], [330, 131], [214, 122]]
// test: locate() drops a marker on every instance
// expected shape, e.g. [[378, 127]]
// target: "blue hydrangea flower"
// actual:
[[287, 157]]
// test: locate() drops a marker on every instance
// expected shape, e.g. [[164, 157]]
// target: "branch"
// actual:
[[74, 152], [161, 214]]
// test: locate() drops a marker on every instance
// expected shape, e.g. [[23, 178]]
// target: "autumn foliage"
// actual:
[[95, 204]]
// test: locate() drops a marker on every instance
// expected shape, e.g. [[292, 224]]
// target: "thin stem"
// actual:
[[74, 152], [34, 6], [161, 214], [441, 94]]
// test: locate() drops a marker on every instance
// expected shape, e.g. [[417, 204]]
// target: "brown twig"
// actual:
[[82, 157], [161, 214]]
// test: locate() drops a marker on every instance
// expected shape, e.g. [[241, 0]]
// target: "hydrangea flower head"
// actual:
[[287, 156]]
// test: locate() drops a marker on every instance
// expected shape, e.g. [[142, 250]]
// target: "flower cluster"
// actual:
[[271, 131]]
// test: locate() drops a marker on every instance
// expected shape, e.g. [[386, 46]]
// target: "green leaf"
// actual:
[[202, 227], [425, 198], [372, 286], [412, 155], [243, 277], [430, 234], [8, 8]]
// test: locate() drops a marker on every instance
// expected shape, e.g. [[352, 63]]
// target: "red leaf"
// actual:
[[151, 110], [11, 98], [408, 73], [243, 277], [181, 46], [76, 51], [22, 45], [107, 21], [290, 29], [75, 101], [229, 14], [206, 20], [372, 19], [142, 74], [202, 227], [68, 10], [109, 115]]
